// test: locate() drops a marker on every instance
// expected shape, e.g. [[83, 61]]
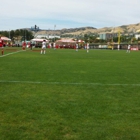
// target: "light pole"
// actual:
[[119, 39], [24, 35], [9, 33], [134, 32], [54, 32]]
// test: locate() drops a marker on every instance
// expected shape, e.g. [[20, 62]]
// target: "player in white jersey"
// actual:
[[118, 47], [54, 46], [87, 47], [43, 49], [128, 49], [77, 47]]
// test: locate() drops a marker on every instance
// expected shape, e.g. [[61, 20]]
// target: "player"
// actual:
[[76, 47], [118, 47], [24, 45], [87, 47], [1, 45], [54, 46], [128, 49], [50, 45], [43, 49]]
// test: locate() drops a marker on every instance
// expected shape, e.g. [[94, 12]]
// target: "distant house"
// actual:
[[107, 35], [137, 34]]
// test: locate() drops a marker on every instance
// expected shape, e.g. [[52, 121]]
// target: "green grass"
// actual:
[[68, 95]]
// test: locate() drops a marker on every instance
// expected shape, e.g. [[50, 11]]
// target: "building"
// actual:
[[137, 34], [107, 35]]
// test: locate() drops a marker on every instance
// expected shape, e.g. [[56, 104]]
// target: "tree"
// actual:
[[18, 35]]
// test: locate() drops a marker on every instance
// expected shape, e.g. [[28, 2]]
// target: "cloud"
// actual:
[[68, 13]]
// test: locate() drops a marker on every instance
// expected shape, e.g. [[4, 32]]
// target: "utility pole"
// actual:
[[9, 33], [119, 40], [24, 35], [54, 32], [119, 37]]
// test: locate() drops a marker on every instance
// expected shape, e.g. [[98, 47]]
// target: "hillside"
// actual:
[[131, 28]]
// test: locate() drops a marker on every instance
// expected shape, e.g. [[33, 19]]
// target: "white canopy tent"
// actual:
[[38, 40], [5, 38], [65, 41]]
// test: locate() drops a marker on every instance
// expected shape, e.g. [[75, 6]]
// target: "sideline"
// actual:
[[66, 83], [12, 53]]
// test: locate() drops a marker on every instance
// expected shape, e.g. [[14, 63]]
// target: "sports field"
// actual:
[[69, 95]]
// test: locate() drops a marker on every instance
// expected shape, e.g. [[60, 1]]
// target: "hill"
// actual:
[[131, 28]]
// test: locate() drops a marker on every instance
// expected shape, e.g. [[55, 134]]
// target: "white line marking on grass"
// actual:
[[12, 53], [66, 83]]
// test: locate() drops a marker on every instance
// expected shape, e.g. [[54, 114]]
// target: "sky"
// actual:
[[60, 14]]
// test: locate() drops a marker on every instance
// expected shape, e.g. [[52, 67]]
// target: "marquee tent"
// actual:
[[80, 41], [5, 38], [65, 41], [38, 40]]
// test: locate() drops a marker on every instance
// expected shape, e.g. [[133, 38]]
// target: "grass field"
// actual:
[[69, 95]]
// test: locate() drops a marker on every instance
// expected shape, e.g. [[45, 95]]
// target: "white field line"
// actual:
[[12, 53], [66, 83]]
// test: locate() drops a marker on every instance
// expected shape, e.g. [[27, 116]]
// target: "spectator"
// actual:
[[1, 46]]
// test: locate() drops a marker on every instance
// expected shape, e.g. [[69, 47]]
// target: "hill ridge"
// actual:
[[130, 28]]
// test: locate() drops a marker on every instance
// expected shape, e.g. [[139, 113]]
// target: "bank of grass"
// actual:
[[68, 95]]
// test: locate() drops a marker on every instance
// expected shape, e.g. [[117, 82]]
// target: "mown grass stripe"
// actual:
[[66, 83]]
